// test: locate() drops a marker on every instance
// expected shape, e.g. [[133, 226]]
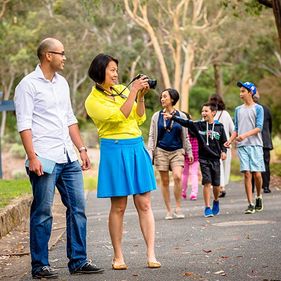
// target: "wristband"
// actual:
[[82, 148]]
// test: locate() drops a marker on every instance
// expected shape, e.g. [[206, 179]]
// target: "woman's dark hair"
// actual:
[[97, 68], [174, 94], [217, 99]]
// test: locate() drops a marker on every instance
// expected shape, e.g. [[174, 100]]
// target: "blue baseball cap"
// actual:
[[249, 86]]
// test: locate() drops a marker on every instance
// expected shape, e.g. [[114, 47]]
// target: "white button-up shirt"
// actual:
[[44, 107]]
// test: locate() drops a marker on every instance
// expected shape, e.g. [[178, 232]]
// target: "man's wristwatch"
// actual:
[[82, 148]]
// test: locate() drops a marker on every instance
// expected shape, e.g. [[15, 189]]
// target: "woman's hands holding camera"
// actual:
[[141, 86]]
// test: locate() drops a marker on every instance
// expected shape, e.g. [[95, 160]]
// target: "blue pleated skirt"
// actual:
[[125, 168]]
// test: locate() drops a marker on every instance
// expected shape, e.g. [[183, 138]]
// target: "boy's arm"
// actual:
[[181, 121], [248, 134], [231, 139], [223, 140], [234, 133]]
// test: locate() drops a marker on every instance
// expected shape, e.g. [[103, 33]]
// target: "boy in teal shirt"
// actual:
[[248, 121]]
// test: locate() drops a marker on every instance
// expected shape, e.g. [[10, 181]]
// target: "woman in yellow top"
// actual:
[[125, 166]]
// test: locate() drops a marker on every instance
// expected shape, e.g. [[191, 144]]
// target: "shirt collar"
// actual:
[[39, 74]]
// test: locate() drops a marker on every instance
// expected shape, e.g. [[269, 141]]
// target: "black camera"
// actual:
[[151, 82]]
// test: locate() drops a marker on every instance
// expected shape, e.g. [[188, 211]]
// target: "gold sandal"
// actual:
[[121, 266], [153, 264]]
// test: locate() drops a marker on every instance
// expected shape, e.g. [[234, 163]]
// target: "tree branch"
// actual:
[[267, 3], [3, 9]]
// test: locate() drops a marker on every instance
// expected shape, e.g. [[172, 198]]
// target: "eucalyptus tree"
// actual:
[[3, 5], [276, 6], [16, 47], [188, 36]]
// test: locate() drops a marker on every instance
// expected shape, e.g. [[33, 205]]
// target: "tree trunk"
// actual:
[[218, 78], [7, 92], [277, 14], [3, 8], [276, 6], [186, 82]]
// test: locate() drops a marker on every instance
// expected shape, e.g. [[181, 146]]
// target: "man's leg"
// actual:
[[266, 174], [43, 188], [70, 186]]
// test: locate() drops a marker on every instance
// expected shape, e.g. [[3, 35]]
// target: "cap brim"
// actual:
[[239, 84]]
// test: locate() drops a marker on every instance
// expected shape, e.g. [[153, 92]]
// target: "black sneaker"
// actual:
[[250, 209], [259, 204], [88, 268], [266, 190], [45, 272]]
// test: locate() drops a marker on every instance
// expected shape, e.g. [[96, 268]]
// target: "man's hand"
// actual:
[[35, 166], [86, 163]]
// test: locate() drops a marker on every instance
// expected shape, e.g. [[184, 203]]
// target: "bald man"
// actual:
[[48, 129]]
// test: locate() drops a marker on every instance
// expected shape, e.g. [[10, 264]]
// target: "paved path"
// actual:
[[231, 246]]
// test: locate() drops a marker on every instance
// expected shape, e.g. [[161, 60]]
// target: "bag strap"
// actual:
[[220, 115]]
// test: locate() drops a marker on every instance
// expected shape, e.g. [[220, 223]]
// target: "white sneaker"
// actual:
[[169, 216], [179, 215]]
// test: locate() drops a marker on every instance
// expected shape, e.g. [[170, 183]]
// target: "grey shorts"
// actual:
[[166, 160]]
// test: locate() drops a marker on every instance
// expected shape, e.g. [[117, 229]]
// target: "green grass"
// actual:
[[90, 183], [275, 169], [235, 175], [10, 189]]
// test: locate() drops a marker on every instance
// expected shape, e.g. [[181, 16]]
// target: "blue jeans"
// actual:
[[69, 181]]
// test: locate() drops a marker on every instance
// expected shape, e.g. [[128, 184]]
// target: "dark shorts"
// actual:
[[210, 170]]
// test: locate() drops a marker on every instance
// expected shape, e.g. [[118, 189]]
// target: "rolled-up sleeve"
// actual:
[[24, 106]]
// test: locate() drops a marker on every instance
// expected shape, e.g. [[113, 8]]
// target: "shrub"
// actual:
[[17, 151], [19, 174], [277, 148]]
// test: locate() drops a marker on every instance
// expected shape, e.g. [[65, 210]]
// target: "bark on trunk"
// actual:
[[277, 14], [218, 79], [7, 93]]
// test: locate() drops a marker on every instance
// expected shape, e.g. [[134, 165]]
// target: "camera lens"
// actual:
[[152, 83]]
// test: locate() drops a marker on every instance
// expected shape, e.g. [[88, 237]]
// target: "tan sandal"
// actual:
[[121, 266], [153, 264]]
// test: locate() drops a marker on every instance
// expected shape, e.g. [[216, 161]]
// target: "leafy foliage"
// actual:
[[245, 45]]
